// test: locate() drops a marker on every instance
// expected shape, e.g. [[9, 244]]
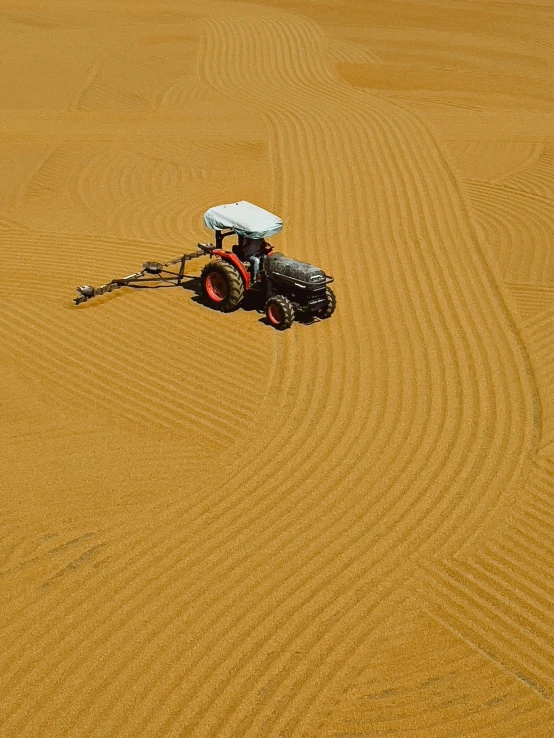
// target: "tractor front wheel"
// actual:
[[222, 286], [329, 309], [279, 312]]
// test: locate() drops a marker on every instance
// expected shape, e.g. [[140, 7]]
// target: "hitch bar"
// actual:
[[152, 271]]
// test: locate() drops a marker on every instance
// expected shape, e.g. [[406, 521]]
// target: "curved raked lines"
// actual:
[[435, 306], [114, 373], [482, 606], [524, 443], [161, 214], [526, 375], [307, 214], [539, 335], [508, 587], [169, 217], [344, 51], [521, 225], [367, 276], [538, 179], [152, 205], [335, 573], [181, 93], [531, 299], [116, 174], [429, 664]]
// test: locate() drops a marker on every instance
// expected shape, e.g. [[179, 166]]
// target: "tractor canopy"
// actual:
[[244, 218]]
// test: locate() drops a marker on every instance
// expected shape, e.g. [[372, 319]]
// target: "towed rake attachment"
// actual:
[[151, 272]]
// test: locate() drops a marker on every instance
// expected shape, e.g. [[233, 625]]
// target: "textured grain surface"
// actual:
[[213, 529]]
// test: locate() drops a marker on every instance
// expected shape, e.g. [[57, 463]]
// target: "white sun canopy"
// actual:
[[244, 218]]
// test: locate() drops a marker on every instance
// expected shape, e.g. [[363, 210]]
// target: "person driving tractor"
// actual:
[[253, 249]]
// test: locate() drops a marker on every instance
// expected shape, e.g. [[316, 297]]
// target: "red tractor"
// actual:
[[288, 289]]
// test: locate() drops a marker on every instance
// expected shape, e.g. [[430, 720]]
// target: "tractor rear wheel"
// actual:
[[279, 312], [329, 309], [222, 286]]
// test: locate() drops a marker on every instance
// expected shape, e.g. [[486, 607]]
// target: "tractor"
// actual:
[[287, 289]]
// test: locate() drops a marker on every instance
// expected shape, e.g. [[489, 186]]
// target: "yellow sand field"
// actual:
[[214, 530]]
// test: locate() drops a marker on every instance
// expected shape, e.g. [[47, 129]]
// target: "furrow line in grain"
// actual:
[[516, 545], [143, 382], [497, 368], [136, 395], [471, 614], [508, 582], [312, 363], [531, 299], [511, 217], [58, 367], [122, 348]]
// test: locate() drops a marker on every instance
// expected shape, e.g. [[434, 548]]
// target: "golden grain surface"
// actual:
[[214, 530]]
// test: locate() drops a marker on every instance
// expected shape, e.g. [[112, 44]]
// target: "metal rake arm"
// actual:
[[152, 268]]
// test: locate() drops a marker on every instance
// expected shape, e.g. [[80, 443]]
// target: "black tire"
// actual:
[[222, 286], [329, 309], [279, 312]]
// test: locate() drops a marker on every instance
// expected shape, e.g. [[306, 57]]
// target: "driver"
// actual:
[[253, 249]]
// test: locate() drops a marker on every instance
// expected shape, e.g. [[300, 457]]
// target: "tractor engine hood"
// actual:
[[278, 267]]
